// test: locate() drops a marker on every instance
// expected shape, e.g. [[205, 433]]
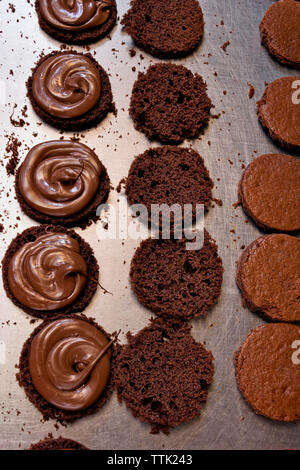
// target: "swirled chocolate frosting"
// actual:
[[59, 178], [48, 273], [63, 363], [66, 85], [76, 15]]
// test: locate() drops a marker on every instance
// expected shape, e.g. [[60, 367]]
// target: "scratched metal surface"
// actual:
[[226, 422]]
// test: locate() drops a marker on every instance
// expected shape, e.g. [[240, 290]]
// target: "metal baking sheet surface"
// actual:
[[228, 143]]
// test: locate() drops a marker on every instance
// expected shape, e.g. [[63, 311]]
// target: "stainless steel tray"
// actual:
[[226, 422]]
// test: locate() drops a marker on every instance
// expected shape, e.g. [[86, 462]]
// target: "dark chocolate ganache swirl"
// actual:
[[76, 15], [59, 178], [69, 363], [66, 85], [48, 273]]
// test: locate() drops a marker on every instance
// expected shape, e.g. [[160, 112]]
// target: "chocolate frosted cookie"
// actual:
[[279, 111], [169, 175], [66, 367], [169, 103], [174, 282], [163, 375], [70, 90], [268, 276], [61, 182], [270, 192], [268, 372], [280, 31], [60, 443], [49, 270], [76, 21], [165, 29]]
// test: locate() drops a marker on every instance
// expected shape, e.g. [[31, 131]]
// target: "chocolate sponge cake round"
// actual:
[[169, 103], [60, 443], [76, 21], [169, 175], [48, 270], [66, 367], [165, 29], [163, 375], [61, 182], [268, 275], [270, 192], [70, 90], [268, 372], [280, 32], [175, 282], [279, 112]]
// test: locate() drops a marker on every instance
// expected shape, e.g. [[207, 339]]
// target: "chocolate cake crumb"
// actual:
[[163, 375], [12, 147], [225, 45], [251, 91], [177, 109], [174, 282], [169, 175], [165, 29], [122, 182]]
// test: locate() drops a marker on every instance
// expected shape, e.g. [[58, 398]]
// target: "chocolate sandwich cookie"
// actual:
[[169, 175], [61, 182], [60, 443], [268, 275], [270, 192], [175, 282], [76, 21], [66, 367], [279, 111], [268, 371], [49, 270], [165, 29], [280, 32], [169, 103], [70, 90], [163, 375]]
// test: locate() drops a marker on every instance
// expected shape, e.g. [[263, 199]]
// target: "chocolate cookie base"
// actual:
[[268, 37], [60, 443], [261, 403], [90, 119], [163, 375], [77, 37], [265, 40], [178, 109], [247, 301], [277, 226], [272, 132], [80, 219], [86, 252], [165, 34], [47, 409], [176, 283]]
